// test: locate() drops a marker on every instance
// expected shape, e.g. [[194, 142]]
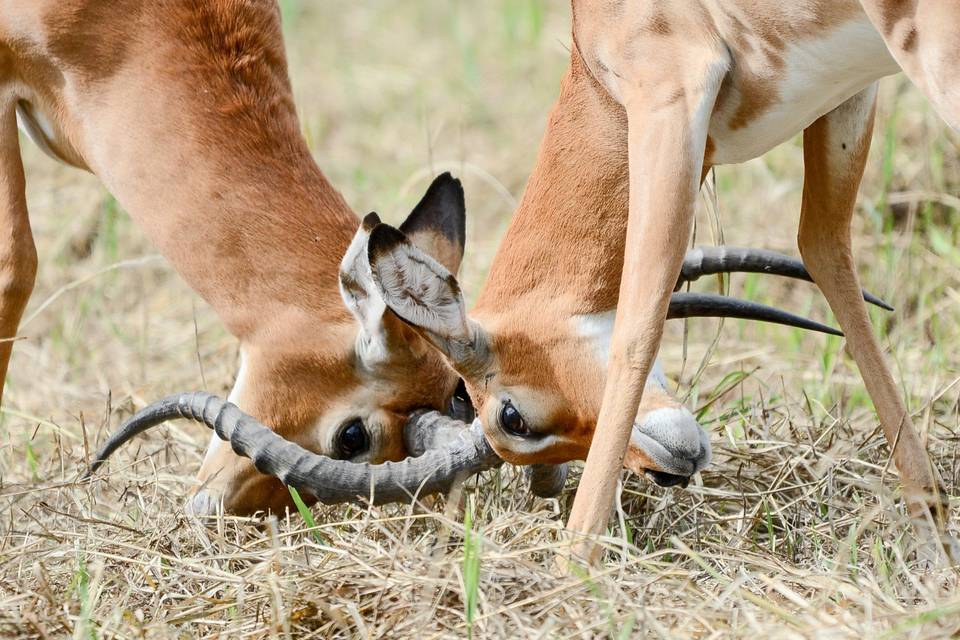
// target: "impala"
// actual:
[[656, 94], [184, 110]]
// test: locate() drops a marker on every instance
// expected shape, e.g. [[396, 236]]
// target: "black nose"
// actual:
[[668, 479]]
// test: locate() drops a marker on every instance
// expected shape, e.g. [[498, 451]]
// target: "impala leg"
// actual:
[[835, 149], [18, 255], [668, 117]]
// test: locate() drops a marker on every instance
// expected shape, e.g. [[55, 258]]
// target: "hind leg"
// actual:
[[835, 150], [18, 255]]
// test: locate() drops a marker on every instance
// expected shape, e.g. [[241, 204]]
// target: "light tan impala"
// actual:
[[656, 94], [184, 110], [237, 204]]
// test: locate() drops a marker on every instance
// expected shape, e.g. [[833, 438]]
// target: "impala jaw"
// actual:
[[668, 446]]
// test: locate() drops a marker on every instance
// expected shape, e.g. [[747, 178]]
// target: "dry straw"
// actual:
[[795, 531]]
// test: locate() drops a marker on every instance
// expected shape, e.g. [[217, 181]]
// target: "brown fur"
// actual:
[[580, 178], [184, 109], [924, 38], [580, 243]]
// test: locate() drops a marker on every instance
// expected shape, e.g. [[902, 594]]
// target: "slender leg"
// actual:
[[668, 117], [835, 149], [18, 255]]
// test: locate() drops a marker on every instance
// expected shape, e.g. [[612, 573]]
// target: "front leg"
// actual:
[[668, 116], [18, 255]]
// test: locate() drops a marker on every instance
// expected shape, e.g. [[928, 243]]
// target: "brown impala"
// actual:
[[655, 95], [184, 110], [372, 379]]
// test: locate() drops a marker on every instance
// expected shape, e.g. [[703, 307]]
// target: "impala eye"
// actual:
[[352, 439], [511, 421]]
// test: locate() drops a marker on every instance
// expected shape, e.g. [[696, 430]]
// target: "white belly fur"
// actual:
[[853, 55]]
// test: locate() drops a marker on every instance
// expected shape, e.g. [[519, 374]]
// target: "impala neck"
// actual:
[[203, 148], [573, 211]]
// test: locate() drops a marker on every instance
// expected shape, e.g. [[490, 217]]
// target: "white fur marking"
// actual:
[[367, 306], [597, 328], [674, 440], [215, 441], [203, 504], [820, 74]]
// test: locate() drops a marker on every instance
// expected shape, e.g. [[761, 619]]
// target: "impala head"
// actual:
[[344, 386], [534, 362], [534, 368], [395, 370]]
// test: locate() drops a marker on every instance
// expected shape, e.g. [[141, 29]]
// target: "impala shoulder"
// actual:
[[662, 52]]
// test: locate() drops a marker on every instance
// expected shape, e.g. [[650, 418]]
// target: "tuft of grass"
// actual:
[[85, 591], [31, 458]]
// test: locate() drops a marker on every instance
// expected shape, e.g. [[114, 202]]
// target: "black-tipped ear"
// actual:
[[370, 221], [437, 225], [383, 241]]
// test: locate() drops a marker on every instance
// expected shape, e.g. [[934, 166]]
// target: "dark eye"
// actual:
[[352, 439], [511, 421]]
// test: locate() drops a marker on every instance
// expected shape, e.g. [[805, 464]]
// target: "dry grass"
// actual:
[[795, 531]]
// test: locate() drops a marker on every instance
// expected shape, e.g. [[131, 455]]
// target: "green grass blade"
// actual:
[[306, 514]]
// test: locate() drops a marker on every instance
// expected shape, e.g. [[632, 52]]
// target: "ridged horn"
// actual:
[[454, 454]]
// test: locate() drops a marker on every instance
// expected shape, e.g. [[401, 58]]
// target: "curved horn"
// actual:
[[546, 480], [689, 305], [704, 261], [463, 452]]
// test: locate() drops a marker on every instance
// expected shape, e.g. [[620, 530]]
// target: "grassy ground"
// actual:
[[795, 530]]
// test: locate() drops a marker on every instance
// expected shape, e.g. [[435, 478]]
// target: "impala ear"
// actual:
[[424, 294], [356, 286], [437, 225], [381, 332]]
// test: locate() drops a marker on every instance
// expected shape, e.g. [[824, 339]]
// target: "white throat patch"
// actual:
[[215, 441], [597, 328]]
